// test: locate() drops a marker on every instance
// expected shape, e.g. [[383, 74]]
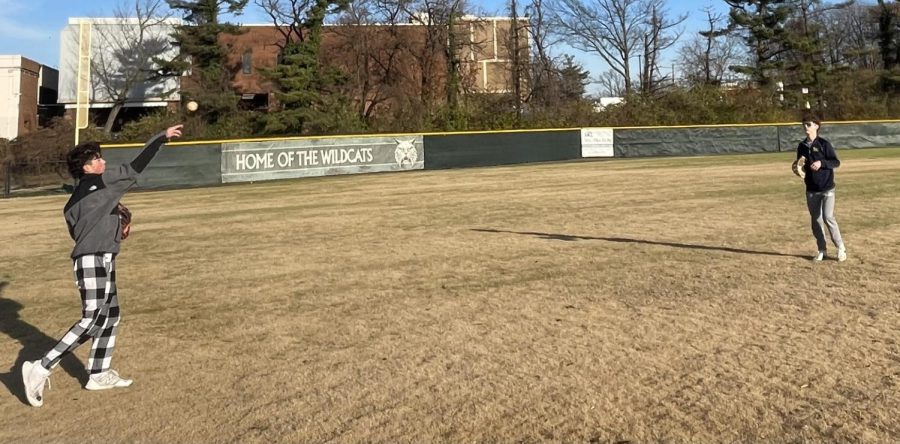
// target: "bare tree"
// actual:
[[372, 40], [543, 91], [125, 69], [705, 58], [517, 60], [659, 33], [427, 53], [848, 35], [612, 29], [290, 18], [438, 51], [419, 67], [611, 84], [441, 19], [554, 81]]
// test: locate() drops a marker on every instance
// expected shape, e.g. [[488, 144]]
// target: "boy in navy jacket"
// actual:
[[820, 162]]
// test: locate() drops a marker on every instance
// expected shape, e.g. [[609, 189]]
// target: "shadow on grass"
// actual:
[[34, 344], [625, 240]]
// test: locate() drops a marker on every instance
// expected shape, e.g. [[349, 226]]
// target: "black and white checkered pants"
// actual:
[[95, 276]]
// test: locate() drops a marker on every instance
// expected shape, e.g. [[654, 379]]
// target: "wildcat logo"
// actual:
[[405, 154]]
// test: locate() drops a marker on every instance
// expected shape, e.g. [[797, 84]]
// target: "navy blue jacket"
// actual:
[[821, 150]]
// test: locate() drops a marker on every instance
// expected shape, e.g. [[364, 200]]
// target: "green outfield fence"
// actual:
[[24, 179], [213, 162]]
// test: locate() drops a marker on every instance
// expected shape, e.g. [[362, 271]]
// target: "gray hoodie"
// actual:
[[91, 211]]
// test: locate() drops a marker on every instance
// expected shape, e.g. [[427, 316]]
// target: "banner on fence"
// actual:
[[285, 159], [597, 142]]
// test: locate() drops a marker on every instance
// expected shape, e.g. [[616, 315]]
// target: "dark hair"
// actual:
[[80, 155], [813, 117]]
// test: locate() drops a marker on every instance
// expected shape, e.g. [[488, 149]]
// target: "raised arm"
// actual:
[[152, 147]]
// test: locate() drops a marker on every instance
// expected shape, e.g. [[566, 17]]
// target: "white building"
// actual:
[[603, 102], [24, 84], [116, 50]]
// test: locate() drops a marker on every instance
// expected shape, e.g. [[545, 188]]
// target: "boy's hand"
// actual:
[[816, 166], [173, 131]]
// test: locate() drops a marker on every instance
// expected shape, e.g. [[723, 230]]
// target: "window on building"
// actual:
[[251, 101], [247, 62]]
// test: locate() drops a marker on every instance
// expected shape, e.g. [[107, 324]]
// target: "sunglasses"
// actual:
[[808, 124]]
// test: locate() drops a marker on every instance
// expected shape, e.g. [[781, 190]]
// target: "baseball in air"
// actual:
[[192, 106]]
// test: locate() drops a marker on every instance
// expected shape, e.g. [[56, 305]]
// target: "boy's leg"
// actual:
[[105, 339], [814, 204], [102, 377], [830, 221], [90, 278]]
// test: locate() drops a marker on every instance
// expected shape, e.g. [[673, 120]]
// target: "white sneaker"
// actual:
[[106, 380], [842, 255], [34, 376], [819, 256]]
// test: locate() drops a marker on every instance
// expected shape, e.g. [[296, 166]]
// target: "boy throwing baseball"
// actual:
[[94, 219]]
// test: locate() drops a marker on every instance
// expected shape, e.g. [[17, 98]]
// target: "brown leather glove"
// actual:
[[798, 167]]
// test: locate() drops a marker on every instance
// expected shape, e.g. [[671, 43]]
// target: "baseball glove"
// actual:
[[125, 219], [798, 167]]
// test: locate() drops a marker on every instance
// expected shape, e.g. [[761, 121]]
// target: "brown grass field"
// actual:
[[637, 300]]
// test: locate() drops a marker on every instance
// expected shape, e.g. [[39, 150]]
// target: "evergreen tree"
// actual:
[[201, 55], [308, 91], [805, 65], [889, 33], [761, 23], [889, 43], [573, 79]]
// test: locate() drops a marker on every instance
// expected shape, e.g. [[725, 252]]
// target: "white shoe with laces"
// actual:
[[819, 257], [34, 376], [106, 380], [842, 255]]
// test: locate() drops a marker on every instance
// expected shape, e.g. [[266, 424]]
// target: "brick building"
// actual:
[[25, 85], [384, 61]]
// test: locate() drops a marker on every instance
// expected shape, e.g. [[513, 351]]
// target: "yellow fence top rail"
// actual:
[[457, 133], [341, 136]]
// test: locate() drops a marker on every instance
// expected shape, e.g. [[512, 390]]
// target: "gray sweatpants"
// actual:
[[821, 209]]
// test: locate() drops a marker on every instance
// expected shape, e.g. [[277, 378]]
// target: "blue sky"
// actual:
[[31, 27]]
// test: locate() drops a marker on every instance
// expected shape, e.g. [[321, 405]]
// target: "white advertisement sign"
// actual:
[[597, 142], [285, 159]]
